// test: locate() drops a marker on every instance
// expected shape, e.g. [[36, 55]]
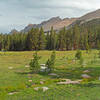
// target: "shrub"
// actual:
[[78, 54], [87, 48], [51, 61], [10, 89], [99, 54], [85, 81], [81, 62], [94, 58], [34, 64], [21, 86]]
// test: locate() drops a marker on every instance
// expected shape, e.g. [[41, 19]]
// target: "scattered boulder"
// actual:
[[10, 67], [30, 80], [36, 89], [86, 71], [86, 76], [41, 82], [45, 89], [69, 82], [11, 93], [43, 68], [66, 80], [27, 66], [42, 65], [52, 74]]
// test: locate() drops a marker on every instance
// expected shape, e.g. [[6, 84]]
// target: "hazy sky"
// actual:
[[19, 13]]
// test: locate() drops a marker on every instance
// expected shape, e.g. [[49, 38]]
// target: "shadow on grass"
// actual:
[[23, 72], [69, 73], [75, 73], [90, 85]]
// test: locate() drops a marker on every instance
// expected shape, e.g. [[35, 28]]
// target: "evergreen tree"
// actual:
[[41, 40], [34, 64], [32, 39], [98, 45], [52, 39], [78, 54], [51, 62], [48, 41], [62, 39]]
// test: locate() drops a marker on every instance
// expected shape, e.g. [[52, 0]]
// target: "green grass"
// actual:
[[17, 79]]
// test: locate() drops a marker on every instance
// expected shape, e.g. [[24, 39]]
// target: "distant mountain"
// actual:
[[56, 22], [14, 31], [89, 17]]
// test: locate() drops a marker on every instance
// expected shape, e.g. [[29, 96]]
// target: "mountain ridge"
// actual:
[[59, 23], [56, 22]]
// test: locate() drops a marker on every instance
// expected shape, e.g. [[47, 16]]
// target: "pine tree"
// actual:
[[76, 37], [98, 45], [34, 64], [29, 41], [87, 47], [32, 39], [52, 39], [62, 39], [78, 54], [48, 41], [41, 40], [51, 62]]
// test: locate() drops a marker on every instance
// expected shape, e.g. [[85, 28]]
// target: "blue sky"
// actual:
[[16, 14]]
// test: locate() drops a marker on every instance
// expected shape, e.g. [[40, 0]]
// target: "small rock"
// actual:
[[86, 76], [11, 93], [36, 89], [69, 82], [52, 74], [27, 66], [66, 80], [42, 65], [10, 67], [45, 89], [43, 68], [30, 80], [41, 82], [86, 71]]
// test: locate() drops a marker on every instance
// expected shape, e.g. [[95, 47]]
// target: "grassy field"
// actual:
[[15, 78]]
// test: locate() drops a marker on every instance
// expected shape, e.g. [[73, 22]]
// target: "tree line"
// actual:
[[78, 37]]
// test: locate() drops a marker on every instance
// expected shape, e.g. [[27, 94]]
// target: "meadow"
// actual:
[[17, 83]]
